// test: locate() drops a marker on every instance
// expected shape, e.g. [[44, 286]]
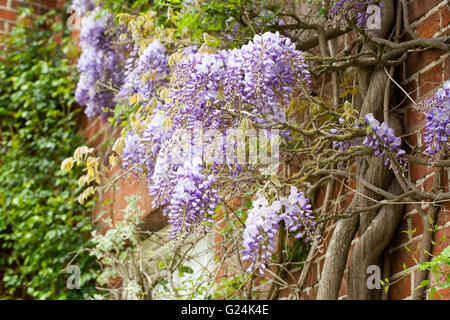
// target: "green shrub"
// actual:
[[42, 227]]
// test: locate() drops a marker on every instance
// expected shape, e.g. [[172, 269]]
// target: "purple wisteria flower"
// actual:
[[437, 124], [263, 222], [193, 201], [263, 73], [259, 234], [99, 63], [383, 140], [146, 74], [141, 152], [298, 216], [83, 6], [134, 153], [195, 89], [257, 78]]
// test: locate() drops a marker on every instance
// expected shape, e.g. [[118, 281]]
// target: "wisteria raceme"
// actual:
[[385, 143], [263, 73], [141, 152], [150, 71], [134, 153], [381, 139], [297, 215], [263, 222], [346, 144], [99, 63], [344, 11], [257, 78], [259, 234], [83, 6], [193, 201], [437, 123]]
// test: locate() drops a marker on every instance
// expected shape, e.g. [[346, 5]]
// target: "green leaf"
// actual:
[[161, 264], [432, 293], [423, 284]]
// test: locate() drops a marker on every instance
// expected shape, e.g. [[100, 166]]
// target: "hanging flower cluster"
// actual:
[[385, 144], [100, 62], [437, 124], [83, 6], [381, 139], [263, 223], [193, 201], [144, 74], [257, 78]]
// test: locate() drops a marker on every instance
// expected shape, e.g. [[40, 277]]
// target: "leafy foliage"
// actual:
[[42, 227], [439, 267]]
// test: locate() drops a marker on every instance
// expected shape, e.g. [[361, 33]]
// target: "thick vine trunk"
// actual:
[[370, 245], [373, 171], [336, 257]]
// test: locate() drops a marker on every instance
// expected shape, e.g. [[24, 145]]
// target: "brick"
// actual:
[[400, 237], [3, 3], [417, 171], [402, 256], [445, 184], [401, 100], [401, 289], [416, 223], [7, 14], [444, 214], [309, 294], [431, 25], [443, 294], [441, 240], [92, 128], [447, 68], [320, 197], [311, 278], [428, 184], [419, 8], [445, 15], [413, 139], [430, 79], [419, 60], [50, 3], [414, 119]]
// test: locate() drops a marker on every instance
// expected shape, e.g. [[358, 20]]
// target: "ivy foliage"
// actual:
[[42, 226]]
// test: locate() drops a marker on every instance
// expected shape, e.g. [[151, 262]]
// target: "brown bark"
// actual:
[[373, 170], [371, 244]]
